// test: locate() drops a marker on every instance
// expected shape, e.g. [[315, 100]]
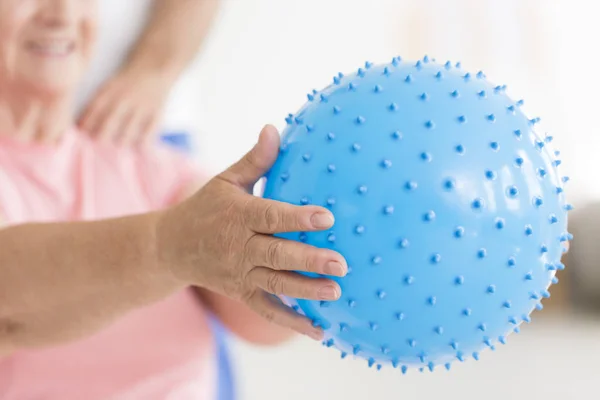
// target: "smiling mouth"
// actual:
[[51, 48]]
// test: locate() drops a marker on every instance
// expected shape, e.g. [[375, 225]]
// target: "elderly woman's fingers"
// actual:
[[292, 284], [273, 310], [270, 216], [287, 255]]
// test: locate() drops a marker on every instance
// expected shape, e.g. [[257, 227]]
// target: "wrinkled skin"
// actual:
[[227, 236]]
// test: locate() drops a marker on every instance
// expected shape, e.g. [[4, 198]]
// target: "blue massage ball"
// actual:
[[449, 210]]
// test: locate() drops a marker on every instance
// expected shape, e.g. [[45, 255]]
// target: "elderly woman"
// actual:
[[108, 270]]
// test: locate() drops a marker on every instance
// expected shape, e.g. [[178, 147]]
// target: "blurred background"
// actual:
[[261, 59]]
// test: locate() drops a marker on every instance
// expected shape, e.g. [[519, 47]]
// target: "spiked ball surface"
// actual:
[[449, 210]]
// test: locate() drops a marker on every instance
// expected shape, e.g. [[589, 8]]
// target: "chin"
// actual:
[[52, 87]]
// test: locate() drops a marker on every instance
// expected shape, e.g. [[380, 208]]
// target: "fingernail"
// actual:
[[316, 335], [322, 220], [334, 268], [329, 293]]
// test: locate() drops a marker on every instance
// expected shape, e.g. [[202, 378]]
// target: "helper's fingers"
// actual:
[[112, 122], [131, 129], [281, 254], [92, 116], [292, 284], [149, 131], [276, 312], [270, 216]]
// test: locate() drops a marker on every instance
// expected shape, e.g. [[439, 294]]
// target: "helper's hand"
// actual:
[[222, 239], [128, 108]]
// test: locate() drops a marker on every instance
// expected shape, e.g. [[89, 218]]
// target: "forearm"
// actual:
[[173, 35], [244, 323], [66, 280]]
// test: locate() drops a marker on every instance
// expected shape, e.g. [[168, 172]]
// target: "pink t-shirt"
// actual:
[[161, 352]]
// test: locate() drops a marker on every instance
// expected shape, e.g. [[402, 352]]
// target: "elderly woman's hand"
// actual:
[[128, 108], [222, 239]]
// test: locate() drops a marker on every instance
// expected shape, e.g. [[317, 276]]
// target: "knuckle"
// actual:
[[274, 252], [230, 291], [269, 315], [299, 218], [253, 160], [235, 289], [247, 296], [275, 284], [271, 217], [247, 211], [249, 253], [313, 260]]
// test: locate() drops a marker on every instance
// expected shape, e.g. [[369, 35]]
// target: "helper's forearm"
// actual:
[[66, 280], [172, 37]]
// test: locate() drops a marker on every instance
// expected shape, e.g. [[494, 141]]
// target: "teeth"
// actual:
[[54, 47]]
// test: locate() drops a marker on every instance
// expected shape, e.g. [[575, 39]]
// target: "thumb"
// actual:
[[250, 168]]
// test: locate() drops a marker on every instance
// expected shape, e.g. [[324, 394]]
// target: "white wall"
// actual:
[[578, 79]]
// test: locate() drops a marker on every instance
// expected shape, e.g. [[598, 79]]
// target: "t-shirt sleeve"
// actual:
[[167, 176]]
